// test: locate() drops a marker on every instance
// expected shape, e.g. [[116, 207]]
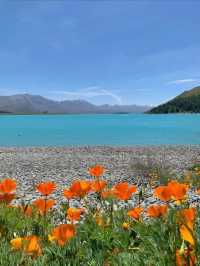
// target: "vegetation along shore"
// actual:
[[100, 206]]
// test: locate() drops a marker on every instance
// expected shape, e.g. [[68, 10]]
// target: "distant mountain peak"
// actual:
[[34, 104]]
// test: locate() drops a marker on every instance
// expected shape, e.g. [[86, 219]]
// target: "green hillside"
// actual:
[[187, 102]]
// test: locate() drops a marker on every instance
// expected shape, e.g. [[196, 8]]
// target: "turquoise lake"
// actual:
[[74, 130]]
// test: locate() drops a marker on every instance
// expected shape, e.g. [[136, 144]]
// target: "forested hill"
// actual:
[[187, 102]]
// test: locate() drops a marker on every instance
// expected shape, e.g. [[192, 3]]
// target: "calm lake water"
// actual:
[[130, 129]]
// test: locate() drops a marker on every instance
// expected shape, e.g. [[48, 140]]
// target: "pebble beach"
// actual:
[[29, 166]]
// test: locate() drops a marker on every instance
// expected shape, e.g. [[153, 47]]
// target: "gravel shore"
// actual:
[[63, 165]]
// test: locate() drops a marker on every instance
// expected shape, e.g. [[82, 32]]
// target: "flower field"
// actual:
[[111, 226]]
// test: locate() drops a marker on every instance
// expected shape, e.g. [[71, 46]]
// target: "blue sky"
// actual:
[[125, 52]]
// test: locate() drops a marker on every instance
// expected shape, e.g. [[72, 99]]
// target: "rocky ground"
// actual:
[[62, 165]]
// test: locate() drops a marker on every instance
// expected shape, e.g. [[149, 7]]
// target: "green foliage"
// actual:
[[151, 242], [101, 237], [188, 102]]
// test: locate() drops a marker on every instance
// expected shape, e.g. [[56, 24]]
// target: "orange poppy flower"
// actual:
[[123, 191], [107, 194], [68, 194], [63, 233], [98, 185], [29, 245], [135, 213], [96, 171], [186, 232], [46, 188], [6, 198], [157, 210], [188, 215], [80, 188], [7, 186], [163, 193], [16, 243], [178, 190], [74, 214], [32, 246], [174, 190], [185, 257], [43, 205]]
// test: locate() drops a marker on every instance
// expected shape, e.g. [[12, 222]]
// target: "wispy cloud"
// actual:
[[11, 91], [90, 92], [182, 81]]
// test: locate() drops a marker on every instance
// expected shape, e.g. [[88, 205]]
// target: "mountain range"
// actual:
[[186, 102], [36, 104]]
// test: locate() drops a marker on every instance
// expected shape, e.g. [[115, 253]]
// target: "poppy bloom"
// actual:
[[186, 219], [16, 243], [185, 257], [96, 171], [98, 185], [7, 186], [7, 198], [178, 190], [68, 194], [63, 233], [80, 188], [174, 190], [32, 246], [107, 194], [29, 245], [163, 193], [186, 232], [157, 210], [188, 215], [123, 191], [125, 226], [46, 188], [135, 213], [43, 205], [74, 214]]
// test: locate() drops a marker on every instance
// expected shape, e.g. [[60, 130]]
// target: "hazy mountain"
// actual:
[[187, 102], [28, 104]]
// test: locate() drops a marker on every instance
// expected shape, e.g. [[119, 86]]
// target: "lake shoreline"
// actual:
[[29, 166]]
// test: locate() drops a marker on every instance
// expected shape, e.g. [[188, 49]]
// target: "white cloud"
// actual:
[[182, 81], [90, 92], [85, 93], [11, 91]]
